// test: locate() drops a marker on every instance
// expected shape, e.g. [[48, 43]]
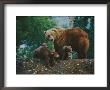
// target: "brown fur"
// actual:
[[67, 53], [75, 37], [43, 53]]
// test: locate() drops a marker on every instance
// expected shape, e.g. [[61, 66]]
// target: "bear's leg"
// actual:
[[51, 61], [59, 51], [83, 48], [36, 60], [65, 57], [47, 61], [61, 55]]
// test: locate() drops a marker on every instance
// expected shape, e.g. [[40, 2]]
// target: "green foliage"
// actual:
[[30, 31], [50, 45], [74, 55]]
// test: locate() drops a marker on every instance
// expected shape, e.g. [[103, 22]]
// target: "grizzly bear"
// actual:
[[67, 52], [75, 37], [43, 53]]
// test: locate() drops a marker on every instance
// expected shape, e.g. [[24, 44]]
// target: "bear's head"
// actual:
[[53, 33]]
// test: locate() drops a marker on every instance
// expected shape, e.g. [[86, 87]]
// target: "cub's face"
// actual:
[[67, 48], [54, 55]]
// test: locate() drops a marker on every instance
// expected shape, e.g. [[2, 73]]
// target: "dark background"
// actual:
[[51, 2], [57, 1]]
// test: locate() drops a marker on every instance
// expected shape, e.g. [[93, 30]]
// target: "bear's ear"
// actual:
[[54, 30]]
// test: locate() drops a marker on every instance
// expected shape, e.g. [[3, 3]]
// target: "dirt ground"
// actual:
[[76, 66]]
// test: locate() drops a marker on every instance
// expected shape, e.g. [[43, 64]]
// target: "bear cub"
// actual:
[[67, 52], [42, 53]]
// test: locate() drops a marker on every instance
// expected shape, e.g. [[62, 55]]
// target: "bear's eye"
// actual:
[[48, 35]]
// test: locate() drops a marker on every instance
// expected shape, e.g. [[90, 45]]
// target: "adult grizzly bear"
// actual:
[[75, 37]]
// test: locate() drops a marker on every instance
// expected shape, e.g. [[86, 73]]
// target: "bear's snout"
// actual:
[[52, 40]]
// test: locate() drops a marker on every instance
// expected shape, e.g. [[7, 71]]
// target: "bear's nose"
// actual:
[[51, 39]]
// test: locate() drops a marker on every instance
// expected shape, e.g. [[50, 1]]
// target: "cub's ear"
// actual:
[[69, 46], [54, 30]]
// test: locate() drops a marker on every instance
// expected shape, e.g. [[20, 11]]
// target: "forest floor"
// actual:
[[76, 66]]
